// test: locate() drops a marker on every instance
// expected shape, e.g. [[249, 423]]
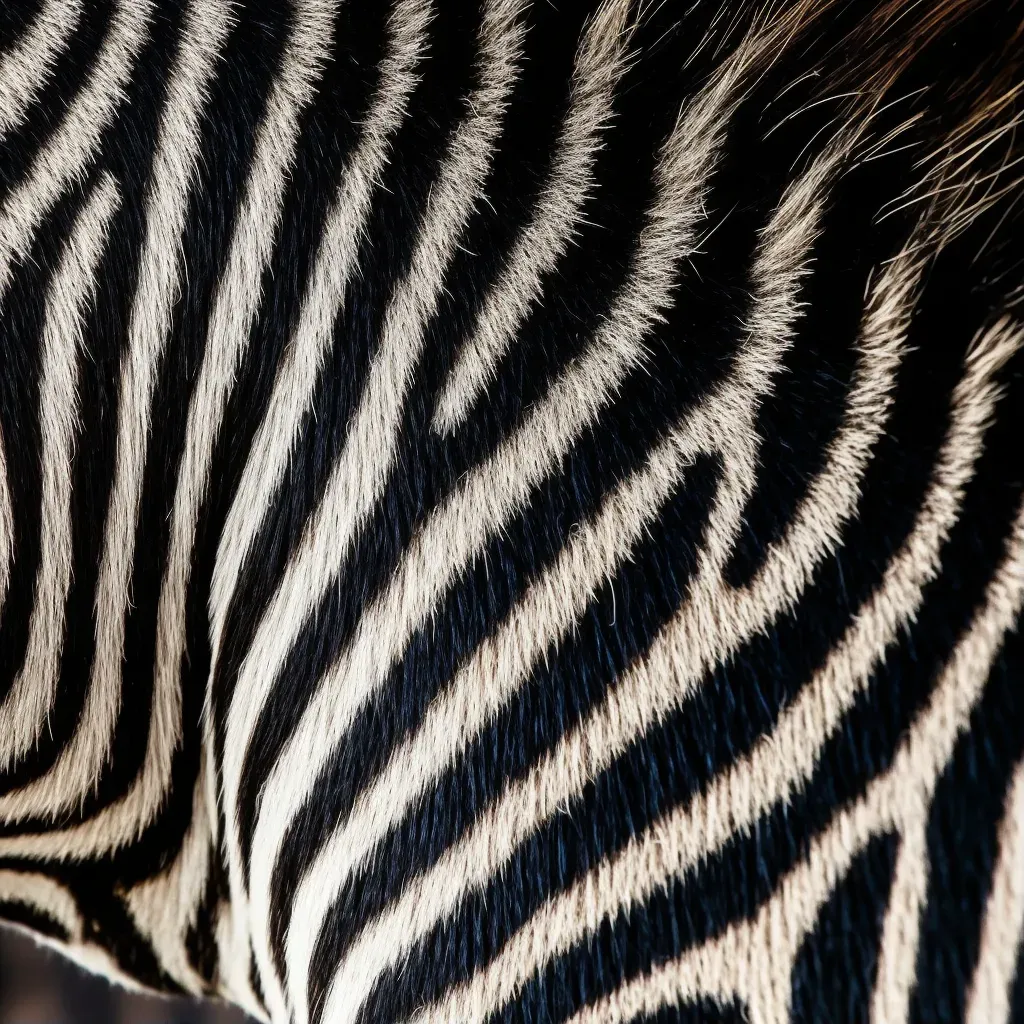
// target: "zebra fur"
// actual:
[[514, 511]]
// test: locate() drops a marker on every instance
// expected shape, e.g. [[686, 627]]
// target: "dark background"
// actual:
[[38, 986]]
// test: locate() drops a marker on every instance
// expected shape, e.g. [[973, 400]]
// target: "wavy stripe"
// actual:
[[499, 667], [1002, 931], [81, 762], [357, 479], [752, 961], [30, 699], [776, 766], [75, 142], [551, 230], [27, 66], [551, 606], [236, 306], [335, 263], [493, 492]]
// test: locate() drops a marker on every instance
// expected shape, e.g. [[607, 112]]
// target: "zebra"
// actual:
[[512, 510]]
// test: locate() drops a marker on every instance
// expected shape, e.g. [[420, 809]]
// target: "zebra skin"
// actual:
[[513, 511]]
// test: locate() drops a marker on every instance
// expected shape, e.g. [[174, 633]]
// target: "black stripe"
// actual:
[[834, 973], [33, 919], [16, 17], [23, 309], [434, 109], [127, 148], [963, 844], [741, 700], [44, 115], [738, 880]]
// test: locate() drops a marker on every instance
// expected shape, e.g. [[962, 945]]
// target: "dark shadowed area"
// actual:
[[38, 986]]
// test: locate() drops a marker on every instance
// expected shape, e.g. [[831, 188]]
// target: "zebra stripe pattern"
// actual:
[[514, 511]]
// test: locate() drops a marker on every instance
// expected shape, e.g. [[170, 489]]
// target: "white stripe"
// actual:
[[554, 221], [6, 526], [30, 699], [44, 896], [989, 997], [550, 607], [302, 360], [896, 973], [27, 66], [48, 897], [498, 668], [237, 304], [733, 801], [361, 471], [752, 961], [81, 762], [492, 493], [166, 905], [235, 308], [74, 143]]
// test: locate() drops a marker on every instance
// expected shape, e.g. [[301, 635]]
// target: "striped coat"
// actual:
[[513, 511]]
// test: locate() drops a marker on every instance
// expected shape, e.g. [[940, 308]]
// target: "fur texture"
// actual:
[[514, 511]]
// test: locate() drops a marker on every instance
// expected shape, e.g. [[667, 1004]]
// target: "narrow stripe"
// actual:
[[536, 252], [778, 764], [235, 308], [76, 771], [29, 701], [1002, 933], [552, 604], [901, 930], [6, 526], [275, 439], [74, 144], [27, 65], [237, 303], [361, 471], [752, 960]]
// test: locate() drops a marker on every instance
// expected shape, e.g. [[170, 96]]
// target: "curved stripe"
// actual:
[[24, 711], [1002, 932], [165, 906], [75, 773], [551, 230], [27, 65], [49, 898], [361, 471], [551, 606], [235, 308], [334, 266], [492, 492], [237, 304], [43, 895], [752, 961], [499, 667], [76, 140], [734, 800]]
